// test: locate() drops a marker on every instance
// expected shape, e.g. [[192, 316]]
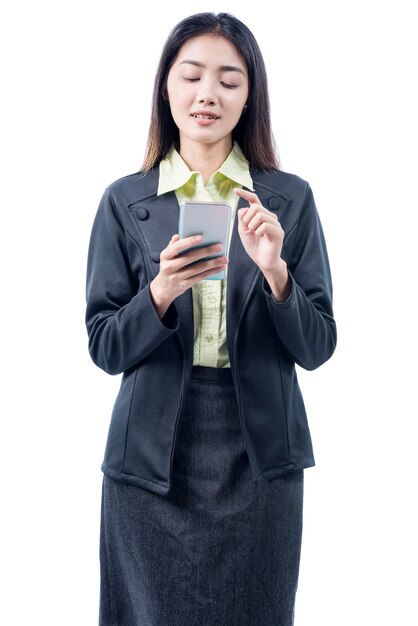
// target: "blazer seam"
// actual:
[[129, 421], [273, 191], [299, 219], [248, 446], [283, 396], [131, 206], [289, 232], [141, 253]]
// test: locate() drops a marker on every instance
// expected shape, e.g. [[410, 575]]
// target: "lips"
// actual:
[[204, 115]]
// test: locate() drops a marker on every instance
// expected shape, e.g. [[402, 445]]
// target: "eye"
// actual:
[[228, 85], [191, 80]]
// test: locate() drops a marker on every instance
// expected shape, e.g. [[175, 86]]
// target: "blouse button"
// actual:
[[209, 338]]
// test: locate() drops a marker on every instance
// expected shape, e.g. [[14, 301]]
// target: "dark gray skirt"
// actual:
[[220, 549]]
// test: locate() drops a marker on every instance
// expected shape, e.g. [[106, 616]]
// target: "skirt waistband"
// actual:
[[201, 372]]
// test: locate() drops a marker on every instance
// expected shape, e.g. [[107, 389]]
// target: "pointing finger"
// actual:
[[250, 196]]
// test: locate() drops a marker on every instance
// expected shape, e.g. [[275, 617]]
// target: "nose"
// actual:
[[207, 92], [206, 100]]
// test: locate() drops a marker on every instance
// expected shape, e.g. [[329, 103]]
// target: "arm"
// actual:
[[122, 323], [304, 320]]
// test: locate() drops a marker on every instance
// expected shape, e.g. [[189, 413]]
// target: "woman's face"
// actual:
[[207, 89]]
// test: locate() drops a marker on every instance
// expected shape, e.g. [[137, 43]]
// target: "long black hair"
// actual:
[[253, 131]]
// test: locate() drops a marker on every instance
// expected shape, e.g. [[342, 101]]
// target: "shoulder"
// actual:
[[129, 188], [284, 183], [288, 195]]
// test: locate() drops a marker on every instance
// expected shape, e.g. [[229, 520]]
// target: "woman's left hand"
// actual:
[[260, 233]]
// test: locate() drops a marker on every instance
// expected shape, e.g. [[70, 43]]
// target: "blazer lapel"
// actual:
[[242, 272]]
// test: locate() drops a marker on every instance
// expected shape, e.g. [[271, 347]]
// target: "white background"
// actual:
[[76, 85]]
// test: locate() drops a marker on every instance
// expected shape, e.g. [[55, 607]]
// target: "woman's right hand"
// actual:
[[176, 275]]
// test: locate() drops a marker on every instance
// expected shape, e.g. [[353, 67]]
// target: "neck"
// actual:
[[205, 158]]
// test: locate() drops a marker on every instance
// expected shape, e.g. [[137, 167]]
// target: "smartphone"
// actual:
[[212, 220]]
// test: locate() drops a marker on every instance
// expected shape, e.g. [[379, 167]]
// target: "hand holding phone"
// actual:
[[176, 274]]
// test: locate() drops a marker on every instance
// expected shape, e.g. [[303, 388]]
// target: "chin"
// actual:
[[208, 136], [204, 138]]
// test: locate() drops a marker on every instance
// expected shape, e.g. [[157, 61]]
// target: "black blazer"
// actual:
[[265, 338]]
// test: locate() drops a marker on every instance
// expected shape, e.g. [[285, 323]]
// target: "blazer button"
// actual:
[[142, 214], [155, 256], [275, 204]]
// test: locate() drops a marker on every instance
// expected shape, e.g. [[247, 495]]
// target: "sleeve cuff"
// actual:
[[269, 294], [170, 319]]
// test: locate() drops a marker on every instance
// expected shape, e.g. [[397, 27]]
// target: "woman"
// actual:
[[203, 470]]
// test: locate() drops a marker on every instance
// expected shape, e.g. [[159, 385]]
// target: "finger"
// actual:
[[205, 268], [213, 270], [250, 196], [181, 261], [259, 218], [246, 215], [199, 254], [173, 249], [266, 228], [242, 212], [252, 211]]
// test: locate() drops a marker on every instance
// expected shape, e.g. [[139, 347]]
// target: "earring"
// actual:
[[245, 108]]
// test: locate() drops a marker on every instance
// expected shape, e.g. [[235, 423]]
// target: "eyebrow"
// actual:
[[222, 68]]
